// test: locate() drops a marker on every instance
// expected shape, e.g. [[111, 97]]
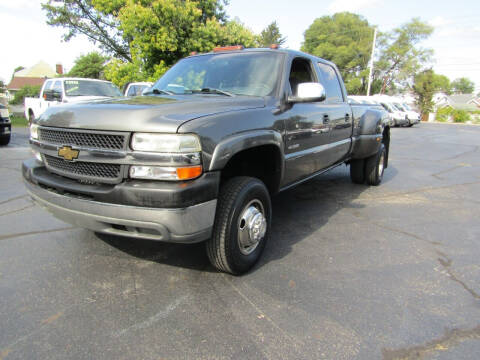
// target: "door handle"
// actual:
[[326, 119], [347, 117]]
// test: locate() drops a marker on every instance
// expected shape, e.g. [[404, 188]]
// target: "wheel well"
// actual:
[[262, 162], [30, 112]]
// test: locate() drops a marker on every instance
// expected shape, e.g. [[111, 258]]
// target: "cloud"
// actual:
[[351, 6]]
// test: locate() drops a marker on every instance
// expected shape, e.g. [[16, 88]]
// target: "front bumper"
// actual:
[[188, 224]]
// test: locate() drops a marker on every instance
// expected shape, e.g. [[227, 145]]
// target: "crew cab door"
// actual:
[[340, 112], [307, 127]]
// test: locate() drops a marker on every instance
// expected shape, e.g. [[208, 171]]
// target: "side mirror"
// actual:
[[308, 92]]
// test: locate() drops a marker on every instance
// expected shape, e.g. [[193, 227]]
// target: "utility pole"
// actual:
[[371, 62]]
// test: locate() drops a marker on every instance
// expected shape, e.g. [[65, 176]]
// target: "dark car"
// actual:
[[199, 156], [5, 125]]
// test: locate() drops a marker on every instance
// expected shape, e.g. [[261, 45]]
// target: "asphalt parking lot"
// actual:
[[350, 272]]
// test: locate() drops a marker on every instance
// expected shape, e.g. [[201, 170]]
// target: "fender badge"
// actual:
[[68, 153]]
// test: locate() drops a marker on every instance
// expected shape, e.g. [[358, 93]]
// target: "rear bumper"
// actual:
[[188, 224]]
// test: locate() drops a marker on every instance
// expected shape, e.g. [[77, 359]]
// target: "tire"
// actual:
[[240, 202], [4, 140], [31, 117], [375, 166], [357, 171]]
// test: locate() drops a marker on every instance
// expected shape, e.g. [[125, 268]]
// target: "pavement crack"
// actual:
[[261, 314], [18, 210], [162, 314], [450, 338], [12, 236], [13, 199], [446, 263], [475, 149]]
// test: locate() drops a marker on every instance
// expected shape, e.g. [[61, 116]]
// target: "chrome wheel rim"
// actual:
[[252, 226], [381, 164]]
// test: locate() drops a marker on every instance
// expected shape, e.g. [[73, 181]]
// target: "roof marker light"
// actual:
[[228, 48], [274, 46], [193, 53]]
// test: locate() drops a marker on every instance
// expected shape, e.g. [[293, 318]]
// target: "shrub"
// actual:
[[457, 115], [26, 91], [443, 114], [460, 116]]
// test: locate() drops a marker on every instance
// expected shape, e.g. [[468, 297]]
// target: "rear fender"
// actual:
[[370, 135]]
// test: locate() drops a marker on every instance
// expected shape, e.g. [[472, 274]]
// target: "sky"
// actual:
[[27, 39]]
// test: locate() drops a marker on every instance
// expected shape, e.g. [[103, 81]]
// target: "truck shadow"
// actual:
[[297, 214]]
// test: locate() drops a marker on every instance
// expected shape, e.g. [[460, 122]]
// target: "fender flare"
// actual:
[[370, 135], [231, 146]]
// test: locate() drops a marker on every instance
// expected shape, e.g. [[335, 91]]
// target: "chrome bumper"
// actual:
[[186, 225]]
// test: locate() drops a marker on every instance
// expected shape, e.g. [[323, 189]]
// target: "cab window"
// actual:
[[57, 87], [300, 72], [331, 83]]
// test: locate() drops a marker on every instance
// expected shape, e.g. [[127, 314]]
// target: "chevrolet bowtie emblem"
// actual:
[[68, 153]]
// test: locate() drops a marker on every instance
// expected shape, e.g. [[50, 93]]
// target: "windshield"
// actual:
[[399, 107], [405, 106], [253, 74], [90, 88]]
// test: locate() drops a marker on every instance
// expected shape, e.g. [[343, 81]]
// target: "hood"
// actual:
[[144, 113]]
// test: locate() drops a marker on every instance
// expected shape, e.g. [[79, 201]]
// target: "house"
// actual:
[[34, 75], [467, 102]]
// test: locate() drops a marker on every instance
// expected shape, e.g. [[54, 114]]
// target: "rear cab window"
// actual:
[[331, 82]]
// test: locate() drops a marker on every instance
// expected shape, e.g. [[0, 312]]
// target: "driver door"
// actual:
[[307, 127]]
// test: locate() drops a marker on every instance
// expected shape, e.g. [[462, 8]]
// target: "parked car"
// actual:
[[137, 88], [356, 100], [68, 90], [5, 125], [413, 116], [399, 117], [200, 157]]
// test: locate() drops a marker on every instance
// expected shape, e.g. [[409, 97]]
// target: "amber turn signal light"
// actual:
[[187, 173], [228, 48]]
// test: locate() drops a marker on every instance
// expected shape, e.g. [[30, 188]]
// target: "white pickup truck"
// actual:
[[68, 90]]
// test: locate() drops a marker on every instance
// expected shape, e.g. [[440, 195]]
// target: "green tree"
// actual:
[[401, 57], [463, 86], [2, 87], [146, 37], [91, 18], [345, 39], [18, 68], [99, 20], [26, 91], [271, 35], [91, 66], [426, 84]]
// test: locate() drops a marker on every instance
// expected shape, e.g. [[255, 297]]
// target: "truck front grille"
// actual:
[[93, 140], [89, 171]]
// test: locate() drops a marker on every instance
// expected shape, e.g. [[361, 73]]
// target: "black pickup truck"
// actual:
[[199, 156]]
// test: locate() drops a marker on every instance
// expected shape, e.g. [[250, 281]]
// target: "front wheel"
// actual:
[[375, 165], [242, 225]]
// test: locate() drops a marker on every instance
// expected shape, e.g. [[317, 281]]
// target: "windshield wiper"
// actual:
[[158, 92], [211, 91]]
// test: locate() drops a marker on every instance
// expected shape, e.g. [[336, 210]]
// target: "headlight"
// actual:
[[34, 132], [166, 143]]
